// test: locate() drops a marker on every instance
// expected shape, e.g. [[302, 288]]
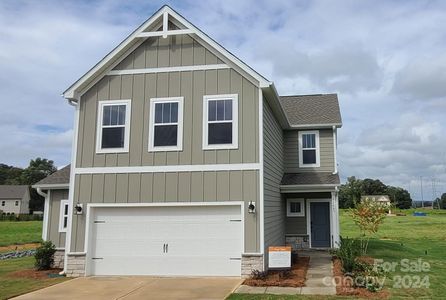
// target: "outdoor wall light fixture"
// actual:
[[78, 209], [252, 207]]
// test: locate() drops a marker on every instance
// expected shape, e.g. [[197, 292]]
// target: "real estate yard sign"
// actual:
[[279, 257]]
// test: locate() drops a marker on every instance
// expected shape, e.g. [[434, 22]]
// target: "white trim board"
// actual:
[[168, 168], [51, 186], [168, 69]]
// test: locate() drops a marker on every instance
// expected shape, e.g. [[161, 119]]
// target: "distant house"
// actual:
[[14, 199], [383, 199]]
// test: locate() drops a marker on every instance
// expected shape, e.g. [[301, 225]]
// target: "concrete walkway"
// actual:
[[137, 287], [319, 279]]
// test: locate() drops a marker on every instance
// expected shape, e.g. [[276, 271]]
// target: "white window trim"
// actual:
[[206, 99], [63, 203], [302, 207], [179, 146], [128, 110], [318, 161]]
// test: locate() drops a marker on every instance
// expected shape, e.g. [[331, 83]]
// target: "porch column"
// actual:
[[335, 218]]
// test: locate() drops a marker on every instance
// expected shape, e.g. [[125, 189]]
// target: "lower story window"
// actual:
[[295, 208], [63, 221]]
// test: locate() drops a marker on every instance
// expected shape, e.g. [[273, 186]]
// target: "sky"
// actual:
[[386, 60]]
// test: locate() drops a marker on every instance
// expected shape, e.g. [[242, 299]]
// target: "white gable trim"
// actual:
[[168, 69], [105, 65]]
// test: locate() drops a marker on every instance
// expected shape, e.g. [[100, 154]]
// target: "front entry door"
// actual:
[[320, 224]]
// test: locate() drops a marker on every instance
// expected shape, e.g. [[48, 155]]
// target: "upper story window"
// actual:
[[63, 217], [220, 122], [113, 126], [166, 124], [3, 203], [309, 149], [16, 203]]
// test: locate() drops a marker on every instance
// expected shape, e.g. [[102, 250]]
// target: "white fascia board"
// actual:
[[316, 126], [72, 91], [161, 33], [54, 186]]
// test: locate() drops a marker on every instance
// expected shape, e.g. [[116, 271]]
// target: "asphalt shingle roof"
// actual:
[[310, 178], [312, 109], [12, 191], [59, 177]]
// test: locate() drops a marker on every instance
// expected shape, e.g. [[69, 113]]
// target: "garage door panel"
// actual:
[[202, 241]]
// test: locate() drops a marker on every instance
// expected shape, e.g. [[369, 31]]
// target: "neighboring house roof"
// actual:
[[379, 198], [60, 177], [310, 178], [13, 191], [315, 110]]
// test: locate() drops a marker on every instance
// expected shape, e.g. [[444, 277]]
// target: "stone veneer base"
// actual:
[[75, 265], [251, 262]]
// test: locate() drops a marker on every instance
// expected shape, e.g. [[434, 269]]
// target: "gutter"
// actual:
[[40, 192]]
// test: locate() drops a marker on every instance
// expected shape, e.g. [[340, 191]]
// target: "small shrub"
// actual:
[[285, 274], [348, 252], [45, 255], [259, 275]]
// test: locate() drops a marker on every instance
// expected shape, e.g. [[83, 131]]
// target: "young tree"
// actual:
[[368, 215]]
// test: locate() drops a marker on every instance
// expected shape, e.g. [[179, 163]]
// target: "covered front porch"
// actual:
[[311, 210]]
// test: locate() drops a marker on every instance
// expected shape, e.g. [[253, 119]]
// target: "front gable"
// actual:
[[164, 28]]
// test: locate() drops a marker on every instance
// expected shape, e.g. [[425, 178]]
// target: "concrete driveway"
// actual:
[[137, 288]]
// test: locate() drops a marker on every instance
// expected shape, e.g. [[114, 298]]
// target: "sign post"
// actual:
[[279, 257]]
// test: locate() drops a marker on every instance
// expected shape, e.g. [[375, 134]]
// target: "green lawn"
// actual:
[[402, 237], [12, 233], [13, 286]]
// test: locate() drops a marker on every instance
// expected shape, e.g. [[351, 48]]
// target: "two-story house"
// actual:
[[186, 161]]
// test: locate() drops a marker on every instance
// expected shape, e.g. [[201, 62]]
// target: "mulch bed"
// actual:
[[296, 278], [19, 247], [34, 274], [344, 286]]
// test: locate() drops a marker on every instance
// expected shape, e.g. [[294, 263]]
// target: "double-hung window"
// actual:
[[166, 124], [63, 216], [220, 122], [309, 149], [113, 126]]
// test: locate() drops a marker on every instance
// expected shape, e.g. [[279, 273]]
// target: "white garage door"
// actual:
[[170, 241]]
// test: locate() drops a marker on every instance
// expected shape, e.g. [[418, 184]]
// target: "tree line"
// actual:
[[37, 169], [350, 193]]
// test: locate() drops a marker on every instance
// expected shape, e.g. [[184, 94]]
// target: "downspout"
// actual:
[[41, 193], [45, 211]]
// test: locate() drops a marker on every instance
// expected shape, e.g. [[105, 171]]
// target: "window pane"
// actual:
[[66, 209], [65, 221], [295, 207], [174, 112], [106, 116], [309, 156], [112, 137], [121, 114], [212, 110], [308, 141], [165, 135], [220, 110], [166, 112], [220, 133], [158, 112], [228, 109], [114, 115]]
